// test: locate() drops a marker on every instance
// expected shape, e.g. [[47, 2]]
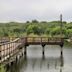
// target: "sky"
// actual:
[[42, 10]]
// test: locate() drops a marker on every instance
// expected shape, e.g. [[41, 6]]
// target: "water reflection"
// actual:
[[35, 62], [62, 63], [18, 65], [38, 64]]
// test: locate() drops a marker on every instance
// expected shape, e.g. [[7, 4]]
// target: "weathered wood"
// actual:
[[9, 50], [43, 40]]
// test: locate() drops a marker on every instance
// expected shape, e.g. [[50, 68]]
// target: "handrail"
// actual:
[[25, 39], [10, 42], [9, 48]]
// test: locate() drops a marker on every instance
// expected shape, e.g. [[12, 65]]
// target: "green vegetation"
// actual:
[[15, 29], [2, 69]]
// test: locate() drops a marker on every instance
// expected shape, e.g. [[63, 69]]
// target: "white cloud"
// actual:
[[29, 9]]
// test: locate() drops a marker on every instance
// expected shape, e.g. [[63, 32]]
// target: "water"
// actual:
[[52, 62]]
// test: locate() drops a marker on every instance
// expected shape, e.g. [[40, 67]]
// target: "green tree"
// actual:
[[34, 29], [34, 21]]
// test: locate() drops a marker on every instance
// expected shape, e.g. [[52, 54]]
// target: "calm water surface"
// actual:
[[52, 62]]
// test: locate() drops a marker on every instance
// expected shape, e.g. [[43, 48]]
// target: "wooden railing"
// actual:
[[8, 49], [42, 39], [7, 39]]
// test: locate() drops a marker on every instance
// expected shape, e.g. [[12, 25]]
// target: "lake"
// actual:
[[51, 62]]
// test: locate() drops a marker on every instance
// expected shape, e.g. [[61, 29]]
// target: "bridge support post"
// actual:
[[61, 49], [25, 51], [62, 61], [16, 59], [0, 55], [0, 52], [43, 51], [61, 57]]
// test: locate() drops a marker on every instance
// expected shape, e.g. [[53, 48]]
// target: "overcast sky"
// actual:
[[23, 10]]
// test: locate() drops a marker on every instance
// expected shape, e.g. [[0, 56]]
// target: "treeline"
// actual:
[[36, 28]]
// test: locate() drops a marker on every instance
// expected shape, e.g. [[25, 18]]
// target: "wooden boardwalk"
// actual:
[[42, 40], [10, 50]]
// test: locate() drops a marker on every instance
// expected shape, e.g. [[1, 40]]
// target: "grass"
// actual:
[[67, 44], [2, 69]]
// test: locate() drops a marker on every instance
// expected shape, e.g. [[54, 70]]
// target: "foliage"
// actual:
[[34, 21], [36, 28], [2, 69]]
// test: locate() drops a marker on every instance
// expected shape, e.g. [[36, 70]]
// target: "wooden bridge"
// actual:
[[12, 48], [42, 41]]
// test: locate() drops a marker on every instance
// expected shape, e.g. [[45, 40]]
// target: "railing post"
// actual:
[[41, 39], [4, 51], [9, 49], [48, 39], [25, 40]]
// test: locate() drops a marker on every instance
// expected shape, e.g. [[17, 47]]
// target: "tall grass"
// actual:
[[2, 69]]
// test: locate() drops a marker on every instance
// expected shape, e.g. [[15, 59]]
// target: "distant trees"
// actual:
[[4, 31], [69, 33], [35, 27], [34, 21], [27, 22], [17, 30], [47, 31]]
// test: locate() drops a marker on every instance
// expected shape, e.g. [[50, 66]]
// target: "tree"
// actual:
[[34, 21], [27, 22], [17, 30], [34, 29], [69, 33]]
